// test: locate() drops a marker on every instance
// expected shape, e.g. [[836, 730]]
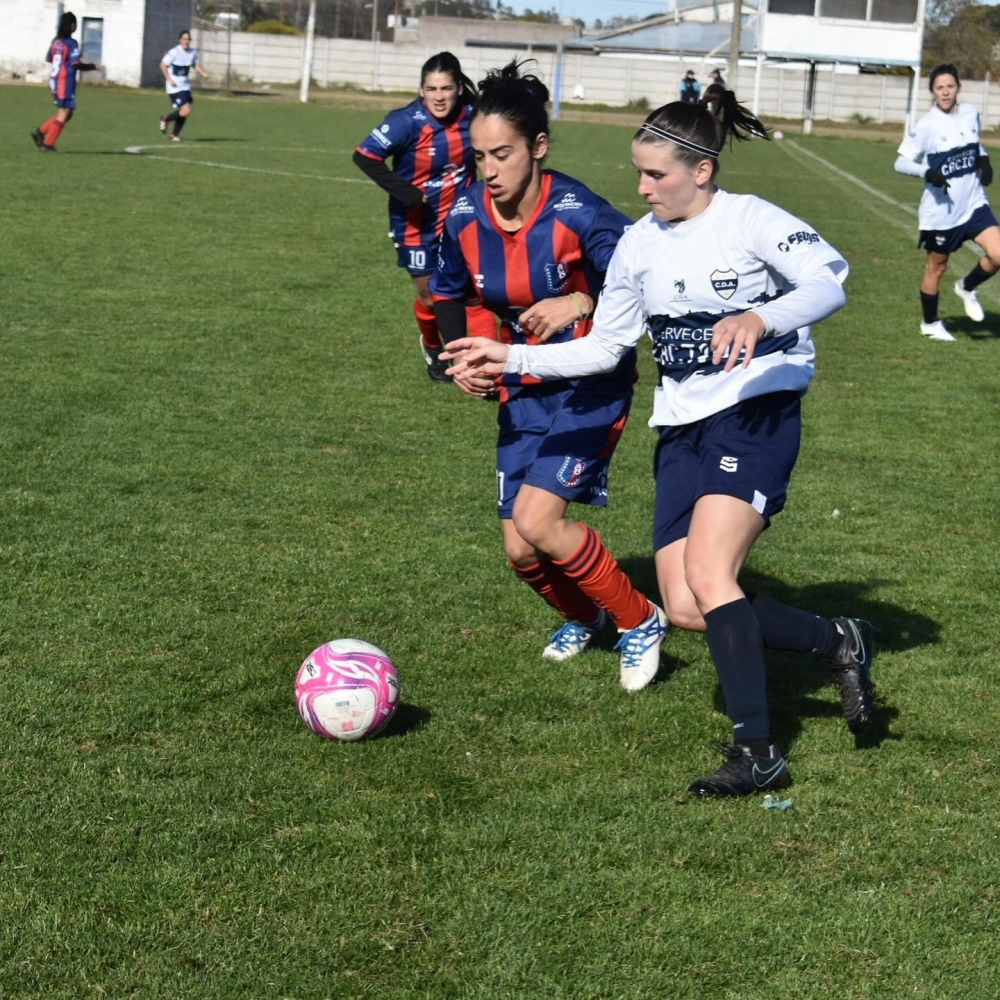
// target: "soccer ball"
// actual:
[[778, 134], [347, 690]]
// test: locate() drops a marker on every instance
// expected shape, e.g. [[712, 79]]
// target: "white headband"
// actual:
[[686, 143]]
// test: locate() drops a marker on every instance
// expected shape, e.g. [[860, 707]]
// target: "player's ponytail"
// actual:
[[699, 131], [518, 99], [445, 62]]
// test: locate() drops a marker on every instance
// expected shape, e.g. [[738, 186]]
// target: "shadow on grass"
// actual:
[[794, 678], [408, 719], [962, 327]]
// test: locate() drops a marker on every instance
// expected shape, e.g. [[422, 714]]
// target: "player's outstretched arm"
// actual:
[[475, 355]]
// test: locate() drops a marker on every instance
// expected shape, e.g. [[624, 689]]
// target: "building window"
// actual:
[[92, 40], [793, 7], [852, 10], [895, 11]]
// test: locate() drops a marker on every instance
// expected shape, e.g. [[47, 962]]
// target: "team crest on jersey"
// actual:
[[725, 282], [556, 276], [680, 286], [568, 200], [571, 471]]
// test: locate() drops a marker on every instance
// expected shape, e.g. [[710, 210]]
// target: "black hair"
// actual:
[[943, 69], [445, 62], [712, 97], [518, 99], [186, 31], [707, 124], [67, 24]]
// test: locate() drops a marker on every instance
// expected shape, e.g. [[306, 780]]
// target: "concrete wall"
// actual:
[[841, 95], [438, 33], [130, 28]]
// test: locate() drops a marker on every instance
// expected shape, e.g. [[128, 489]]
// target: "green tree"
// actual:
[[965, 33]]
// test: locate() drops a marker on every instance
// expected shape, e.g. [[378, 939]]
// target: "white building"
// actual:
[[127, 37]]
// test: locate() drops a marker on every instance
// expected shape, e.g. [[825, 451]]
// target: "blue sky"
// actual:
[[589, 10]]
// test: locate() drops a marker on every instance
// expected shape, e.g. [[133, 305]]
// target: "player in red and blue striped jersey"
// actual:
[[64, 55], [534, 245], [432, 161]]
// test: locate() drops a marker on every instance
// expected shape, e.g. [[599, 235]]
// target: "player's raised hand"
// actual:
[[475, 356], [738, 333]]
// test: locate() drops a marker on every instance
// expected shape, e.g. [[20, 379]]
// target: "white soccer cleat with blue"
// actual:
[[936, 331], [972, 307], [640, 651], [573, 638]]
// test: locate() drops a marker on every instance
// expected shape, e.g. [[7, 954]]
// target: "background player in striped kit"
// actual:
[[176, 68], [534, 245], [726, 287], [64, 55], [432, 161], [944, 149]]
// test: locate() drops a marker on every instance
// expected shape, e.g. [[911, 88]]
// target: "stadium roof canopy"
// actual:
[[863, 32], [698, 27]]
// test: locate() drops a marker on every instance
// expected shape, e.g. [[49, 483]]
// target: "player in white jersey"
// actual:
[[726, 286], [176, 68], [944, 149]]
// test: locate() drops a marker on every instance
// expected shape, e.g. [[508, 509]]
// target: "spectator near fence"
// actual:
[[690, 88]]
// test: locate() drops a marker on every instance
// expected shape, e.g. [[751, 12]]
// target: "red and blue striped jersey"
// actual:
[[564, 247], [431, 154], [64, 54]]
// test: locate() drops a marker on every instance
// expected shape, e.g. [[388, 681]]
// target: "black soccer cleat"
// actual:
[[743, 774], [47, 149], [38, 137], [437, 370], [851, 664]]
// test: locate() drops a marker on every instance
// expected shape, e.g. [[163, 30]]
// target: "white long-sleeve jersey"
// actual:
[[675, 281], [949, 142]]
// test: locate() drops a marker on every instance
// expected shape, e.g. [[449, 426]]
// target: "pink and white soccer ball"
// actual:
[[347, 690]]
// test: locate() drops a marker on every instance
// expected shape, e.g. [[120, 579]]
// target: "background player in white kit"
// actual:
[[726, 287], [944, 149], [176, 68]]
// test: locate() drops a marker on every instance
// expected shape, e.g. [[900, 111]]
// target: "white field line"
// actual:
[[803, 155], [141, 151]]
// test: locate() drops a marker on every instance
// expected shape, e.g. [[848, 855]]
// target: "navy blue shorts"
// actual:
[[419, 260], [181, 98], [65, 102], [950, 240], [560, 440], [747, 451]]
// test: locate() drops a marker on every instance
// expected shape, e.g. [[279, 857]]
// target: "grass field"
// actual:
[[220, 449]]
